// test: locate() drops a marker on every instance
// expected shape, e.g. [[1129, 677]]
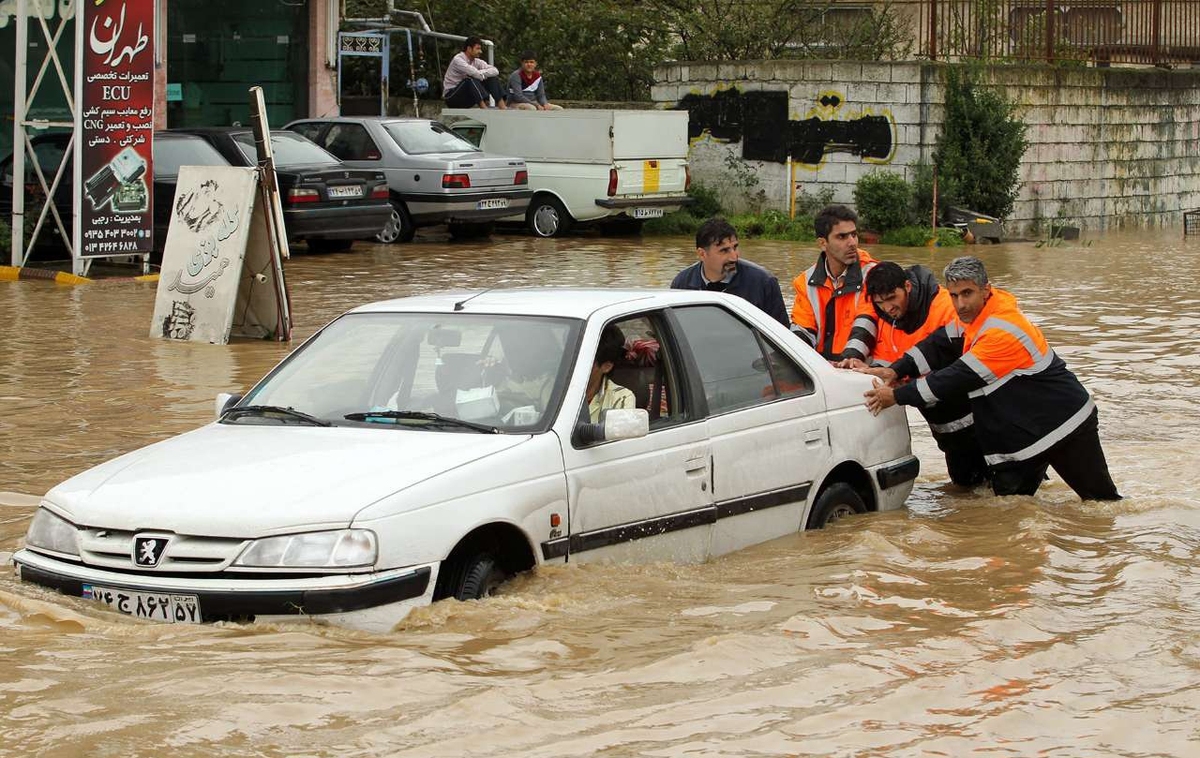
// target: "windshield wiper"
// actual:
[[268, 410], [435, 419]]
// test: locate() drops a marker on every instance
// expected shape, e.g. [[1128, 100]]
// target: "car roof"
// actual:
[[224, 130], [563, 302], [360, 119]]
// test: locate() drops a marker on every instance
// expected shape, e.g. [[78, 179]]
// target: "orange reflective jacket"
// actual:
[[892, 342], [824, 314]]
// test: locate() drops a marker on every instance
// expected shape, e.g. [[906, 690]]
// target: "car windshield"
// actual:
[[417, 137], [428, 371], [290, 150], [172, 152]]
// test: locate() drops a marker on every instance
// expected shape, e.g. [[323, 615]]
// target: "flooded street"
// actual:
[[964, 624]]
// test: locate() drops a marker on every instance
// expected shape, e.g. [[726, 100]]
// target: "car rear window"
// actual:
[[419, 137], [290, 150], [172, 152]]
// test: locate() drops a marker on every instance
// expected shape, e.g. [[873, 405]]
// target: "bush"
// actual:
[[884, 201], [979, 151], [921, 236], [677, 224], [774, 225], [707, 203], [811, 205]]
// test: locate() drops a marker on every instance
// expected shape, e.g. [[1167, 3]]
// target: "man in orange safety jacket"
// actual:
[[830, 298], [1030, 412], [909, 306]]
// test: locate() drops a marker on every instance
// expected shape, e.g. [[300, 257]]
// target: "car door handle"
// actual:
[[814, 437], [695, 465]]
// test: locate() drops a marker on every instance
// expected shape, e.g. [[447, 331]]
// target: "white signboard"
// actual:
[[218, 274]]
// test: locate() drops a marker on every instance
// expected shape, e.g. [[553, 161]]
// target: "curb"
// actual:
[[13, 273]]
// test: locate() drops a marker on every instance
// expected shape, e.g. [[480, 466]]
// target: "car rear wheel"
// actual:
[[480, 577], [399, 227], [837, 501], [547, 217]]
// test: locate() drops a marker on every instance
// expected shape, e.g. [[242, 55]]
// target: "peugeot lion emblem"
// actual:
[[148, 551]]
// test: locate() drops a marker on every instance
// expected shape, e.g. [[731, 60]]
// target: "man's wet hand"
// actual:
[[879, 372], [850, 363], [879, 397]]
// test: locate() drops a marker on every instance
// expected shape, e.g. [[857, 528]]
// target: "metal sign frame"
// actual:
[[366, 45]]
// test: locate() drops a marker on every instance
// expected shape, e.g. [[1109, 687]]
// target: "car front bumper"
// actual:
[[246, 597], [895, 480]]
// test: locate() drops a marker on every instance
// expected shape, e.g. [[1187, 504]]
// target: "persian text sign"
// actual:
[[115, 126]]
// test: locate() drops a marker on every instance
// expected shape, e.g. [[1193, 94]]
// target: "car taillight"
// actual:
[[522, 177], [687, 178], [461, 181], [612, 182], [380, 192], [297, 195]]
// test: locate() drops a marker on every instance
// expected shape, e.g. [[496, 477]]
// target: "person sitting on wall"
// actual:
[[470, 80], [527, 88]]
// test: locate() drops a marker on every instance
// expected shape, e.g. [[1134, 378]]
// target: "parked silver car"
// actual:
[[435, 176]]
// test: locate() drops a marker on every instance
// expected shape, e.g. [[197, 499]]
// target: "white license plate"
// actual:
[[346, 191], [496, 202], [647, 212], [156, 606]]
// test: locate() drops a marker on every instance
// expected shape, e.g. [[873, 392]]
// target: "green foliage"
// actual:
[[774, 225], [922, 192], [811, 205], [979, 151], [5, 243], [884, 201], [707, 203], [922, 236]]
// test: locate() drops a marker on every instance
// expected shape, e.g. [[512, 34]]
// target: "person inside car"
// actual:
[[602, 392]]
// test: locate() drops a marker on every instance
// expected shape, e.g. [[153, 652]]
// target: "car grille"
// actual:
[[113, 549]]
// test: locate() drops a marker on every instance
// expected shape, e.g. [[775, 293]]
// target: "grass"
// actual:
[[769, 225]]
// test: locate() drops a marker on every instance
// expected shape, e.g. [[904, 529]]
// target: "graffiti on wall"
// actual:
[[761, 122]]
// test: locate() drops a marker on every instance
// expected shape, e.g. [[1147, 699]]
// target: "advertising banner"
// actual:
[[116, 126]]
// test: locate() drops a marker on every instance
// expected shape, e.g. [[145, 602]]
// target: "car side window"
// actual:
[[734, 367], [350, 142], [642, 368], [308, 130]]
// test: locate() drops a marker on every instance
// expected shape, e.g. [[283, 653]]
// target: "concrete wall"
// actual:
[[1108, 147]]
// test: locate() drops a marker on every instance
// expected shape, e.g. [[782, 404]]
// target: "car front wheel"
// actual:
[[547, 217], [480, 577], [399, 227], [837, 501]]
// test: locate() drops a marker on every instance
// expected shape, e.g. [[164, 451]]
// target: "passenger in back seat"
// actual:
[[602, 392]]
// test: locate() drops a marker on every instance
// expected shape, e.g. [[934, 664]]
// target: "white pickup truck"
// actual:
[[588, 165]]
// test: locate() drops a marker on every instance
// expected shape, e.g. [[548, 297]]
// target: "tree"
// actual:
[[979, 151]]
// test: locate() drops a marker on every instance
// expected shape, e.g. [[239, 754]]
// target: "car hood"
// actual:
[[227, 480]]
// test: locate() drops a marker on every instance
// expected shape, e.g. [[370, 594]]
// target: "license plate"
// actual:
[[647, 212], [496, 202], [345, 191], [156, 606]]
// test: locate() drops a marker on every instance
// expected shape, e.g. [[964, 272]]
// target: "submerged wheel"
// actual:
[[466, 231], [547, 217], [837, 501], [399, 227], [480, 577]]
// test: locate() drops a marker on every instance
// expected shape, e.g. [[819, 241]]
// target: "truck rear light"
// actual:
[[522, 177], [612, 182], [687, 178], [380, 192], [459, 181], [298, 195]]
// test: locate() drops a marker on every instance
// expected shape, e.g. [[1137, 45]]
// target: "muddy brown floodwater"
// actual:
[[963, 625]]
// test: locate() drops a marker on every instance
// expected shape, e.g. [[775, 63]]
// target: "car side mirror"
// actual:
[[225, 401], [615, 424]]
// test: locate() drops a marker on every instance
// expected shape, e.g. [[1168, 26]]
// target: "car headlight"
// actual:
[[344, 548], [49, 532]]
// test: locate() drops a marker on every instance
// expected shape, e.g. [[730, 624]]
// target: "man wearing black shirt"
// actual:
[[721, 269]]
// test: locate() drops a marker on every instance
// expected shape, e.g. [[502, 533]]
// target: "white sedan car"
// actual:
[[430, 447]]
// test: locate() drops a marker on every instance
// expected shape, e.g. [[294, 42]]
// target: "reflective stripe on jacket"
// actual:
[[824, 315], [1024, 399]]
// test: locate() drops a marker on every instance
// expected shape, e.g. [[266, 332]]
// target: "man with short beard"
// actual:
[[722, 269]]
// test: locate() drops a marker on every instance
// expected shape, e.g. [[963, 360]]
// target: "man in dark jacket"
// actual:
[[721, 269]]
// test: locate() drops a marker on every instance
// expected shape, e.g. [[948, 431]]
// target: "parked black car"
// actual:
[[306, 174], [324, 202]]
